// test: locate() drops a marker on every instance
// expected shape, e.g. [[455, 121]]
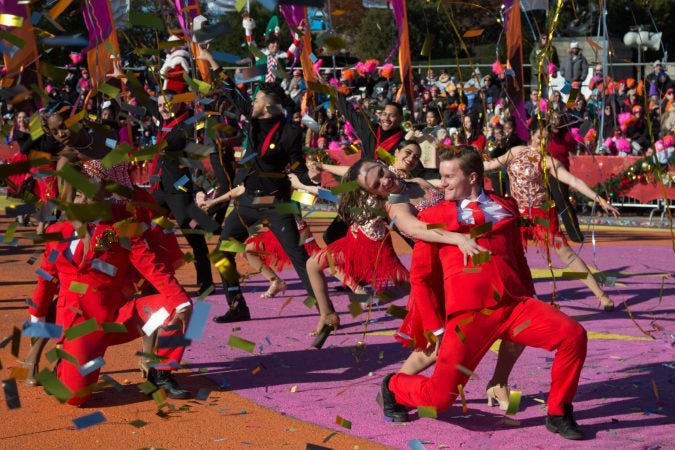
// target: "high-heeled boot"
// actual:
[[32, 361]]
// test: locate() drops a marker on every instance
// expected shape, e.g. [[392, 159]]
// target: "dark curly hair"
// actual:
[[359, 206]]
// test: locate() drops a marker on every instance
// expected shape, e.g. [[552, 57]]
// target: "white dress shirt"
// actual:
[[494, 212]]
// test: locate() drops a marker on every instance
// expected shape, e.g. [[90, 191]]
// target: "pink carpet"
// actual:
[[625, 398]]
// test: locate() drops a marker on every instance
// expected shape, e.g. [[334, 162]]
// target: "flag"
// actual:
[[102, 39], [401, 18], [514, 61], [18, 57]]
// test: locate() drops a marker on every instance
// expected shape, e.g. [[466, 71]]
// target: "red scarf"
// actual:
[[389, 143], [163, 132]]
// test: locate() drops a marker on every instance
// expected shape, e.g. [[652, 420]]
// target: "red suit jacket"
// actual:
[[103, 298], [506, 275]]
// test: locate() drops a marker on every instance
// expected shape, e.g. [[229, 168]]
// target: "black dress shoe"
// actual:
[[565, 425], [239, 314], [164, 379], [392, 411]]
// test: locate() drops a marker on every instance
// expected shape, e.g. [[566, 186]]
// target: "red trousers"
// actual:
[[469, 335], [93, 345]]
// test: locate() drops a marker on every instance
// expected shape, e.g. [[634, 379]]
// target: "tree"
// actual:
[[376, 35]]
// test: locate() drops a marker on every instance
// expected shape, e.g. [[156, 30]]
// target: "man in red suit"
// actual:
[[88, 270], [488, 301]]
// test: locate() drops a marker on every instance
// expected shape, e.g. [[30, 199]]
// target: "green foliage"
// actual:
[[376, 36]]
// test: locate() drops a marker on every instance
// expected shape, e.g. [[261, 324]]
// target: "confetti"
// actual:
[[325, 194], [355, 309], [16, 341], [514, 402], [459, 333], [91, 366], [57, 353], [11, 394], [42, 330], [480, 258], [155, 321], [285, 304], [521, 327], [575, 275], [10, 20], [200, 312], [343, 422], [345, 187], [241, 344], [435, 226], [480, 230], [232, 246], [302, 197], [48, 380], [385, 156], [104, 267], [467, 372], [416, 444], [81, 329], [78, 288], [18, 373], [111, 381], [427, 411], [310, 302], [397, 311], [138, 423], [181, 182]]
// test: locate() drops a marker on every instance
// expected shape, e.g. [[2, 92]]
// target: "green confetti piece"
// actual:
[[435, 226], [574, 275], [241, 344], [397, 311], [355, 309], [232, 247], [147, 388], [459, 333], [12, 39], [51, 383], [81, 329], [514, 402], [138, 423], [88, 212], [57, 353], [343, 422], [146, 20], [426, 47], [330, 436], [345, 187], [480, 230], [287, 208], [110, 91], [398, 198], [548, 205], [9, 234], [541, 221], [159, 396], [480, 258], [255, 51], [385, 156], [35, 126], [310, 302], [78, 288], [427, 411], [113, 327], [239, 5], [117, 155], [79, 181], [495, 295], [521, 327]]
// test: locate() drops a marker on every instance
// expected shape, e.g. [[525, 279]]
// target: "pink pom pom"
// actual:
[[360, 68], [577, 136], [625, 120], [371, 65], [668, 141], [49, 88], [543, 106], [497, 68], [447, 141], [609, 142], [552, 69], [334, 82], [76, 58], [387, 71], [591, 135], [623, 145], [334, 146], [659, 147]]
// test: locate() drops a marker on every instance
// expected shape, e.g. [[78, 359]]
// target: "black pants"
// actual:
[[184, 210], [561, 196], [283, 226]]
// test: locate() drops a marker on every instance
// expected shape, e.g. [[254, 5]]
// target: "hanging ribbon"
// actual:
[[401, 18]]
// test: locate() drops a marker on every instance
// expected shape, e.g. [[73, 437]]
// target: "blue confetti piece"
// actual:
[[89, 420], [90, 366], [181, 181], [416, 444], [206, 101], [104, 267], [53, 255], [66, 41], [42, 330], [269, 5], [225, 57], [35, 18], [247, 158], [200, 312], [313, 57], [110, 143], [327, 195], [269, 342], [566, 88], [194, 119], [41, 273]]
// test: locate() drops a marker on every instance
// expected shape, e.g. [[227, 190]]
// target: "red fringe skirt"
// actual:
[[362, 259], [540, 234], [272, 254]]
